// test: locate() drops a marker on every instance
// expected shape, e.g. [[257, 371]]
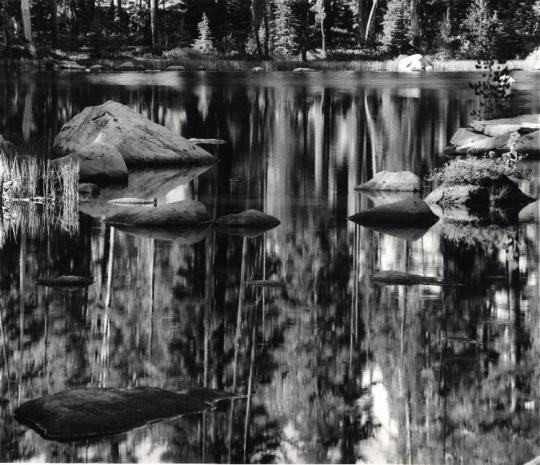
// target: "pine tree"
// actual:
[[481, 31], [283, 29], [205, 42], [396, 26]]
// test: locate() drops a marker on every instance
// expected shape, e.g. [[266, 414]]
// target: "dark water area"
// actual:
[[334, 368]]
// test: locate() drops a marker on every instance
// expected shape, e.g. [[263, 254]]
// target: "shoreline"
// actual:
[[213, 63]]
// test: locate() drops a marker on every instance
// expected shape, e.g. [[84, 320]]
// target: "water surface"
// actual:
[[334, 368]]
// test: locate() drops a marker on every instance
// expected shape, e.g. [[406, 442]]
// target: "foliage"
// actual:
[[472, 170], [205, 42], [493, 90], [396, 27], [481, 31]]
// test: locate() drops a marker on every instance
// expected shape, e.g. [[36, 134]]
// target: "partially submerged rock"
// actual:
[[391, 277], [138, 140], [522, 133], [82, 414], [183, 213], [66, 282], [247, 223], [302, 70], [256, 69], [207, 141], [409, 212], [132, 201], [99, 163], [414, 63], [70, 65], [175, 68], [393, 181], [498, 191]]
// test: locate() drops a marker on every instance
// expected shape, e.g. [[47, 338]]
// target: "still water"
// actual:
[[334, 368]]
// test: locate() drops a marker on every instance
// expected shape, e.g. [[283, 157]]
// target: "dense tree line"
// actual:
[[275, 28]]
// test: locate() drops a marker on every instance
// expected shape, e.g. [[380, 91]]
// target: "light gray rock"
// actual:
[[455, 194], [521, 133], [138, 140], [126, 66], [183, 213], [414, 63], [176, 68], [393, 181], [257, 69], [302, 70], [70, 65], [96, 67]]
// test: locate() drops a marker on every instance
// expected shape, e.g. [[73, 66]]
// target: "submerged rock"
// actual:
[[183, 213], [138, 140], [414, 63], [249, 223], [66, 281], [521, 133], [391, 277], [393, 181], [82, 414], [409, 212]]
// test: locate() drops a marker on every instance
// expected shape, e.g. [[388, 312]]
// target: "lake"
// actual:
[[334, 367]]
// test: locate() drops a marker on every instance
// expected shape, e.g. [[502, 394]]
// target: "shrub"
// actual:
[[493, 90], [472, 170]]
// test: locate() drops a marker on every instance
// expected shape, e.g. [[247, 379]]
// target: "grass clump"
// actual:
[[474, 170]]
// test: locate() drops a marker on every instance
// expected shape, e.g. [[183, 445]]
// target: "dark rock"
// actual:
[[394, 181], [407, 279], [409, 212], [136, 138], [183, 213], [89, 190], [181, 235], [82, 414], [66, 282], [249, 223]]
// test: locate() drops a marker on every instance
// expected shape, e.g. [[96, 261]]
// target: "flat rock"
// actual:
[[176, 68], [138, 140], [66, 281], [70, 65], [247, 218], [302, 70], [405, 213], [96, 67], [132, 201], [484, 136], [391, 277], [183, 213], [88, 413], [394, 181], [207, 141]]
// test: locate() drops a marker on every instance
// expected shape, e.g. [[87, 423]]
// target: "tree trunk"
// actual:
[[323, 36], [370, 19], [54, 22], [154, 21], [256, 23], [27, 26], [360, 13], [266, 31], [415, 32]]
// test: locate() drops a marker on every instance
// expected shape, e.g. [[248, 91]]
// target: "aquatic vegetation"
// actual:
[[474, 170]]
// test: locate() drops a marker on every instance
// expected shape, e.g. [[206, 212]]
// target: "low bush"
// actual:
[[473, 170]]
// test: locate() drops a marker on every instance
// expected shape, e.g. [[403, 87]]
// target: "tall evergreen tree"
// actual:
[[205, 42], [397, 26]]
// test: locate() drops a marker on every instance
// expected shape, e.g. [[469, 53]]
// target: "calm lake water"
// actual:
[[334, 367]]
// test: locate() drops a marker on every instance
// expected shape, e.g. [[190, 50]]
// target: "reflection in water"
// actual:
[[334, 369]]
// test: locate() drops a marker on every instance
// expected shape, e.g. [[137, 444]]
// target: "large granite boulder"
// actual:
[[393, 181], [183, 213], [403, 213], [249, 223], [414, 63], [521, 133], [138, 140], [99, 163]]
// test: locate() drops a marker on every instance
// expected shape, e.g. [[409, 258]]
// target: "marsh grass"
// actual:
[[473, 170], [28, 182]]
